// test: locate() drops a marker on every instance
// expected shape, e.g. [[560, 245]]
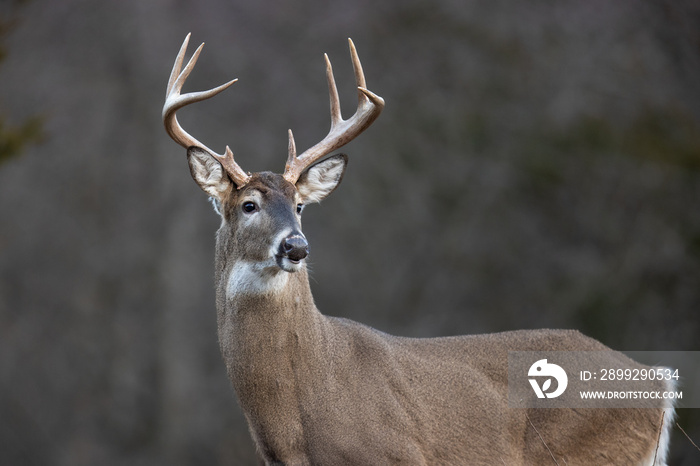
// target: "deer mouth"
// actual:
[[288, 264]]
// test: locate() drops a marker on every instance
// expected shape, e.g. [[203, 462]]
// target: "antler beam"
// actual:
[[175, 101], [369, 107]]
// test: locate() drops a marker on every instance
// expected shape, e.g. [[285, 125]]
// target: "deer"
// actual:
[[319, 390]]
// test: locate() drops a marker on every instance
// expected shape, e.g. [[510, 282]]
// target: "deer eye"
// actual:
[[249, 207], [300, 207]]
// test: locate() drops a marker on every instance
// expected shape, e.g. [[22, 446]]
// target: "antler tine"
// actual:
[[342, 131], [292, 146], [357, 67], [336, 116], [178, 65], [175, 101]]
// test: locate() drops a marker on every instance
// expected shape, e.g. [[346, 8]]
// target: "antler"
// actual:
[[369, 107], [175, 101]]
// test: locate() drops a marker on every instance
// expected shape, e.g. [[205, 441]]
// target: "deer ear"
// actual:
[[208, 173], [322, 178]]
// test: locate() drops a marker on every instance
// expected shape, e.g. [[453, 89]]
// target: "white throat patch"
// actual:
[[255, 278]]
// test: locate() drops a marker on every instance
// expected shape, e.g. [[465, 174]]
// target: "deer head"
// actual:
[[264, 209]]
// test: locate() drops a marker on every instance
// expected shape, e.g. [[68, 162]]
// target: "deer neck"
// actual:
[[265, 307], [271, 336]]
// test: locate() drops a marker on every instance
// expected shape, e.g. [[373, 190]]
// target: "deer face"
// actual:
[[265, 218], [261, 227]]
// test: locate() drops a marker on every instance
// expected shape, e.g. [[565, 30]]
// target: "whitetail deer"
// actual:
[[324, 390]]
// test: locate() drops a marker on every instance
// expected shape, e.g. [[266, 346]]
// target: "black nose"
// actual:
[[295, 247]]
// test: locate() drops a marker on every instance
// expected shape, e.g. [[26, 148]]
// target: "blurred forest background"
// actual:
[[537, 165]]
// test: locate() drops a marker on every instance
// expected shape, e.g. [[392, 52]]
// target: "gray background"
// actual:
[[537, 165]]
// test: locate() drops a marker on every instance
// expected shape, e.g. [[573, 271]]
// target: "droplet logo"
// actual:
[[542, 369]]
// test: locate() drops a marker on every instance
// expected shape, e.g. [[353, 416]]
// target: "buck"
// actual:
[[324, 390]]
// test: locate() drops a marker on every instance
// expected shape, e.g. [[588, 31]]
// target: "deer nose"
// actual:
[[295, 247]]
